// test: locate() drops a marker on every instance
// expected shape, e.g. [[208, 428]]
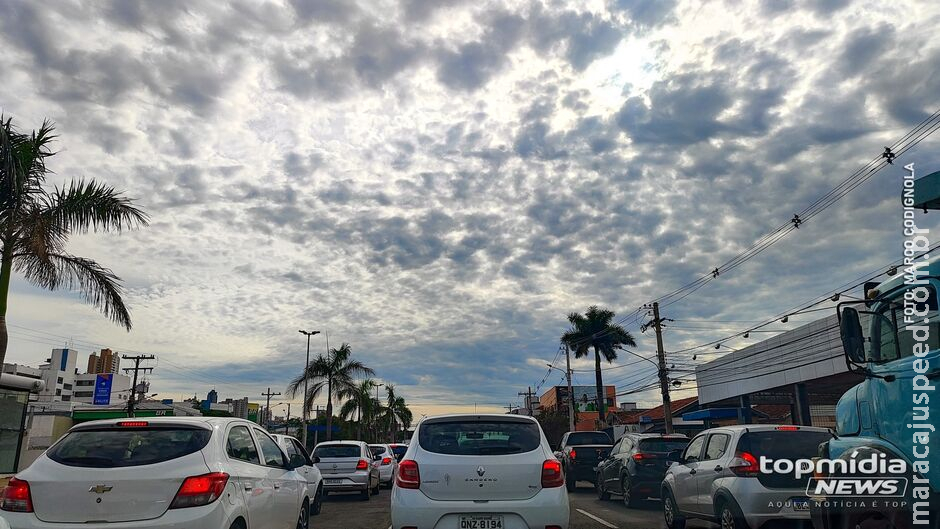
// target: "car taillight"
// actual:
[[552, 475], [386, 461], [787, 428], [132, 424], [744, 465], [572, 454], [643, 457], [362, 464], [200, 490], [16, 497], [408, 475]]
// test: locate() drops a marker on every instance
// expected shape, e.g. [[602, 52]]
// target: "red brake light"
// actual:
[[552, 475], [386, 461], [572, 454], [132, 424], [408, 475], [200, 490], [788, 428], [362, 464], [16, 497], [749, 468], [643, 457]]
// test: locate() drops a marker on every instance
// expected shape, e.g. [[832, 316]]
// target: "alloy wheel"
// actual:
[[727, 518], [627, 495], [669, 511], [304, 521]]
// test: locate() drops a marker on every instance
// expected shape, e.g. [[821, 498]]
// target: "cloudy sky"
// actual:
[[438, 182]]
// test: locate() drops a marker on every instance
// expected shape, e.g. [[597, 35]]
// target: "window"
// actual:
[[84, 394], [270, 451], [290, 450], [377, 450], [694, 451], [480, 438], [588, 438], [59, 380], [627, 446], [663, 445], [337, 451], [889, 339], [717, 446], [84, 382], [67, 398], [127, 447], [300, 449], [241, 446], [616, 448], [66, 386]]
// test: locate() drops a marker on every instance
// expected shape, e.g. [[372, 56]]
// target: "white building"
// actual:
[[84, 388], [59, 375]]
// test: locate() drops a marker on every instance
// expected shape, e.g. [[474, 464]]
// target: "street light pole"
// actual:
[[570, 390], [306, 366]]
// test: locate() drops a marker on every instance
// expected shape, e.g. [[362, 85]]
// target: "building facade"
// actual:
[[58, 373], [84, 389], [103, 362]]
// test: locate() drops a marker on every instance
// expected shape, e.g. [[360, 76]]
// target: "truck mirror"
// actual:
[[853, 342]]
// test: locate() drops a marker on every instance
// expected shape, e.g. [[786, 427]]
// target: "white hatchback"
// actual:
[[159, 473], [388, 464], [305, 466], [481, 472]]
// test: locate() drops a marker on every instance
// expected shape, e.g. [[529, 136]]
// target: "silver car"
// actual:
[[388, 464], [348, 466], [718, 476]]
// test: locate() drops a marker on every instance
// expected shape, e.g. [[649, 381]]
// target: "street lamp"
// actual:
[[308, 334]]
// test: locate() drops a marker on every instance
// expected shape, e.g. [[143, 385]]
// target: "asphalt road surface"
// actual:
[[348, 511]]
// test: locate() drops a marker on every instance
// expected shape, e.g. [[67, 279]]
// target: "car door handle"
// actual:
[[277, 486], [718, 468], [248, 488], [692, 471]]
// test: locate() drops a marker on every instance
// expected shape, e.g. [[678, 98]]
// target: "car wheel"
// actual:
[[570, 483], [303, 521], [366, 493], [629, 499], [674, 518], [602, 493], [317, 504], [375, 490], [730, 517]]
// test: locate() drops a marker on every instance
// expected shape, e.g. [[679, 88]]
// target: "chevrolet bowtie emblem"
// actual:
[[481, 471], [100, 489]]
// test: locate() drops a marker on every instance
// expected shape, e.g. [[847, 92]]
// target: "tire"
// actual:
[[317, 504], [366, 494], [375, 490], [629, 499], [671, 513], [570, 483], [303, 520], [602, 493], [730, 517]]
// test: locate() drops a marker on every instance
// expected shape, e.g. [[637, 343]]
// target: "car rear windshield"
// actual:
[[399, 450], [472, 438], [662, 445], [783, 444], [109, 448], [337, 451], [377, 450], [588, 438]]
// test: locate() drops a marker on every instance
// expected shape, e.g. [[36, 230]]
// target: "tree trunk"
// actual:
[[6, 271], [600, 386], [359, 422], [329, 409]]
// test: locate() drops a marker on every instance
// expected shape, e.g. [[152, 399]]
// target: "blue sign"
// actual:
[[103, 389]]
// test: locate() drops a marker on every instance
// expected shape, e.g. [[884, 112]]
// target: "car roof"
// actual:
[[165, 421], [344, 442], [501, 417], [768, 428]]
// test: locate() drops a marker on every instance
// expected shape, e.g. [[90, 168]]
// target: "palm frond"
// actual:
[[89, 205]]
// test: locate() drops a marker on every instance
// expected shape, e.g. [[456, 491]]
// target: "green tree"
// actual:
[[396, 413], [595, 330], [359, 403], [554, 424], [336, 374], [36, 223]]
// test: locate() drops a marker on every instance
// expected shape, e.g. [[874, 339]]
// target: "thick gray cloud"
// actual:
[[446, 180]]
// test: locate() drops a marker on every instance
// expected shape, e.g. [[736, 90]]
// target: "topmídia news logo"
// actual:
[[873, 476]]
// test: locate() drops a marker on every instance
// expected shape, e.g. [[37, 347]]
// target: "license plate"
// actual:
[[800, 504], [481, 522], [333, 481]]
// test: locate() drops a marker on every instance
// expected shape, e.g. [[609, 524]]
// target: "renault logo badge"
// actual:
[[481, 471]]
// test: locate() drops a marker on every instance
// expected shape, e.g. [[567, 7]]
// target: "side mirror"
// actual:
[[558, 455], [377, 458], [297, 461], [853, 342], [314, 460], [676, 457]]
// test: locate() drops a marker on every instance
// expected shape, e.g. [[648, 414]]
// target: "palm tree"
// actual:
[[396, 412], [35, 224], [336, 373], [594, 330], [359, 403]]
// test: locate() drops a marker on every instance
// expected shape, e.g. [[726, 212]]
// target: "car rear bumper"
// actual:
[[411, 508], [213, 516], [346, 482], [582, 472], [761, 505]]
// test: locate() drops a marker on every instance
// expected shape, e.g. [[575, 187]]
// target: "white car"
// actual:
[[305, 466], [159, 473], [479, 471], [348, 466], [388, 464]]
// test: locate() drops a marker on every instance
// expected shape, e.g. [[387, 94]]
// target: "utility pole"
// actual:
[[306, 366], [316, 433], [137, 360], [267, 409], [663, 379], [570, 389], [528, 400]]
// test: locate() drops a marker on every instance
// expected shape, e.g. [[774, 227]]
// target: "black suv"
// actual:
[[636, 466], [580, 453]]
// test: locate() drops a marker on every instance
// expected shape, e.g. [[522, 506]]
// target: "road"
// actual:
[[342, 511]]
